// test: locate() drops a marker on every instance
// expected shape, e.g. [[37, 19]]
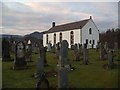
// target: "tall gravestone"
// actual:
[[5, 50], [42, 81], [29, 51], [85, 54], [76, 52], [110, 59], [49, 47], [20, 62], [43, 51], [63, 66], [57, 50]]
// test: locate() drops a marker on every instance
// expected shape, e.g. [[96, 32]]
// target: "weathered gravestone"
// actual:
[[20, 62], [42, 81], [116, 50], [57, 50], [49, 47], [5, 50], [110, 59], [43, 51], [76, 53], [85, 54], [102, 52], [29, 51], [63, 66]]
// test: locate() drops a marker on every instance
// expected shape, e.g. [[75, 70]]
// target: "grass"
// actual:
[[84, 76]]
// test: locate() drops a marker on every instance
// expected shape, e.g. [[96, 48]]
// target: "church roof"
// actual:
[[68, 26]]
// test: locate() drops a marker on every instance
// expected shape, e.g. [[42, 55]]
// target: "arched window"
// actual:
[[54, 38], [90, 30], [60, 38], [71, 37], [47, 39]]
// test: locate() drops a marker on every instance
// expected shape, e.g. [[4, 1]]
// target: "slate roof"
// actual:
[[68, 26]]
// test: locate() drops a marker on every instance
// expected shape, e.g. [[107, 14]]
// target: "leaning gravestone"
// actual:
[[5, 50], [85, 54], [20, 62], [63, 66]]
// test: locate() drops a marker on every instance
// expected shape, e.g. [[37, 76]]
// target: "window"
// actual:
[[60, 37], [90, 41], [54, 39], [47, 39], [93, 41], [86, 41], [90, 30], [71, 37]]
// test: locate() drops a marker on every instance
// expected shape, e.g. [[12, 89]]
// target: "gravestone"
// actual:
[[63, 66], [85, 54], [20, 62], [102, 52], [57, 50], [110, 59], [42, 81], [49, 47], [5, 50], [76, 52], [43, 51], [29, 51], [36, 48]]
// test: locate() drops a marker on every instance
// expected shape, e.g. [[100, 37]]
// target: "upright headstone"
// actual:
[[5, 50], [43, 51], [110, 59], [63, 66], [76, 52], [49, 48], [57, 50], [29, 51], [85, 54], [20, 62], [115, 46]]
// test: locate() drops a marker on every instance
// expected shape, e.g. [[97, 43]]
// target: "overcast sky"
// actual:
[[26, 17]]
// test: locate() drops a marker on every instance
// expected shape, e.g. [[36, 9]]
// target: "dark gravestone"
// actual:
[[42, 81], [57, 50], [20, 62], [76, 52], [102, 52], [43, 51], [29, 51], [63, 66], [5, 50], [85, 54], [110, 59]]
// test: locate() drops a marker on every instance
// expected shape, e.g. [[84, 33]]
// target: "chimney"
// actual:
[[90, 17], [53, 24]]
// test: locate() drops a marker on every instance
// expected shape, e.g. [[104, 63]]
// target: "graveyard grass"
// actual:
[[84, 76]]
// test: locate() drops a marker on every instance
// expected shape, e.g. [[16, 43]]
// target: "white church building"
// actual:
[[80, 32]]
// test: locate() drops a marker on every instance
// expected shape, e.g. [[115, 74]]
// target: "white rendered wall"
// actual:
[[86, 35]]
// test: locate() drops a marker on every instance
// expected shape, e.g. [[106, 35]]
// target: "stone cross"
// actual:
[[85, 54], [63, 66], [20, 62]]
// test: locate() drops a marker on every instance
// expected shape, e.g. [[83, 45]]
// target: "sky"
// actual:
[[26, 16]]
